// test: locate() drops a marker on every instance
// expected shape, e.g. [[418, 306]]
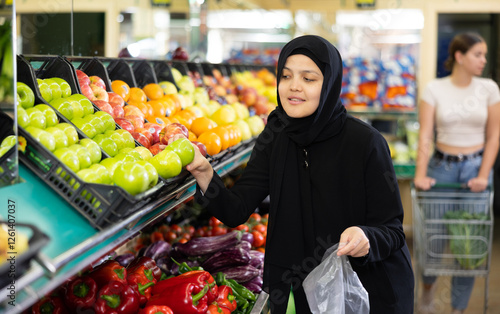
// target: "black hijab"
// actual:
[[291, 235]]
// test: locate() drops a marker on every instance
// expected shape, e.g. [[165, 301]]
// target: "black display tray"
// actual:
[[8, 162]]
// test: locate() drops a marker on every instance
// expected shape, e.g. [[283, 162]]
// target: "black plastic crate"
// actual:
[[163, 71], [144, 73], [181, 66], [8, 162], [119, 69], [91, 66]]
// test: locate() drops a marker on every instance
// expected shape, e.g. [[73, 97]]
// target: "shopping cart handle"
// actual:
[[450, 186]]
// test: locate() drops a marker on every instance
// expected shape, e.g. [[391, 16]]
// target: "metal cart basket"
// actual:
[[452, 233]]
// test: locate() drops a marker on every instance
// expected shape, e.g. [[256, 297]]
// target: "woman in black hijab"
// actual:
[[330, 180]]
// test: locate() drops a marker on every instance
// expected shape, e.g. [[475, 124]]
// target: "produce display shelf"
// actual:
[[75, 244], [404, 170], [382, 113]]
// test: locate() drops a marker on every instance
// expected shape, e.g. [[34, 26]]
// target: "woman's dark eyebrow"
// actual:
[[303, 71]]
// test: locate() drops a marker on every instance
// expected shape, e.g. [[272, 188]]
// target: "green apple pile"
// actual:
[[7, 143]]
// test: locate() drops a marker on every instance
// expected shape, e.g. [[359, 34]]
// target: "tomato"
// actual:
[[176, 228], [156, 236], [243, 227], [254, 218], [189, 229], [258, 239], [265, 219], [199, 233], [183, 240], [214, 222], [261, 249], [218, 230], [163, 229], [170, 236], [260, 227], [186, 236]]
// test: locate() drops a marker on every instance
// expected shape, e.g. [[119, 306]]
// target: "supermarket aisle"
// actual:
[[476, 304]]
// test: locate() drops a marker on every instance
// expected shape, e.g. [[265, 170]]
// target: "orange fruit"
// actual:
[[202, 124], [178, 105], [225, 136], [121, 88], [137, 94], [160, 120], [211, 141], [170, 106], [146, 109], [185, 117], [153, 91], [192, 136], [236, 134], [158, 108]]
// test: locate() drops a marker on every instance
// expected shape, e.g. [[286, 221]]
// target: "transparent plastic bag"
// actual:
[[333, 287]]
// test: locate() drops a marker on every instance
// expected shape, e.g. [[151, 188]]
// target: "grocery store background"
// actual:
[[253, 32]]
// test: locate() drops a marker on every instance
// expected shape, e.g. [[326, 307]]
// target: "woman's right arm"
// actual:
[[425, 146]]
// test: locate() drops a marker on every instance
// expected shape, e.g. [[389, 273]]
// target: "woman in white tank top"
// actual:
[[459, 138]]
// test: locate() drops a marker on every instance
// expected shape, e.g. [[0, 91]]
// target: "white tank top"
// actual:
[[461, 112]]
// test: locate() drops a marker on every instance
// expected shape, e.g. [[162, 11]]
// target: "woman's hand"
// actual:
[[353, 242], [201, 169], [424, 183], [477, 184]]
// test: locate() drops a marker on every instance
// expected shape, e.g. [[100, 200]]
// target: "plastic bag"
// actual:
[[333, 287]]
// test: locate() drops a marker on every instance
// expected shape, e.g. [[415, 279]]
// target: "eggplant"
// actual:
[[256, 259], [247, 246], [158, 249], [240, 273], [125, 259], [163, 264], [234, 256], [209, 245], [247, 237], [254, 284]]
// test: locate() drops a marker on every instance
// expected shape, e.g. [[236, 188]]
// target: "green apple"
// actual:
[[70, 131], [3, 151], [83, 155], [246, 133], [65, 88], [102, 172], [23, 120], [106, 144], [54, 87], [50, 115], [144, 152], [37, 118], [25, 95], [128, 154], [45, 90], [167, 163], [184, 149], [128, 139], [78, 111], [64, 106], [152, 172], [88, 107], [116, 137], [256, 124], [132, 177], [107, 119], [98, 124], [93, 148], [45, 138], [87, 128], [9, 141], [111, 164], [59, 136], [176, 74], [89, 175], [68, 157]]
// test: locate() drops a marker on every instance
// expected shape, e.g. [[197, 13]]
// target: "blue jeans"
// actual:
[[456, 172]]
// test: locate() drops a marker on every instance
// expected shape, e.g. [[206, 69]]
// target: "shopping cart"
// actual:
[[452, 233]]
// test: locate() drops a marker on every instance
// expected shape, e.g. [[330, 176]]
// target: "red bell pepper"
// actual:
[[156, 309], [117, 297], [200, 277], [142, 280], [185, 298], [109, 271], [226, 298], [81, 293], [49, 305], [149, 263], [214, 308]]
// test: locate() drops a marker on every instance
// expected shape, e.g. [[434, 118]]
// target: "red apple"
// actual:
[[172, 130], [125, 124], [201, 147], [142, 139], [249, 96], [117, 110], [137, 121], [87, 92], [104, 106], [83, 79], [115, 98], [180, 54], [99, 92], [156, 148], [133, 110], [155, 130], [96, 80], [146, 133]]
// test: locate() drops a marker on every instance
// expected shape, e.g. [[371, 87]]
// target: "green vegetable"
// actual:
[[469, 237]]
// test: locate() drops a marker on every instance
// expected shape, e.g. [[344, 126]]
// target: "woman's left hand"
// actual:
[[477, 184], [353, 242]]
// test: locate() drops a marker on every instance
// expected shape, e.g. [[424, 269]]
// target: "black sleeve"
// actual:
[[234, 206], [384, 213]]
